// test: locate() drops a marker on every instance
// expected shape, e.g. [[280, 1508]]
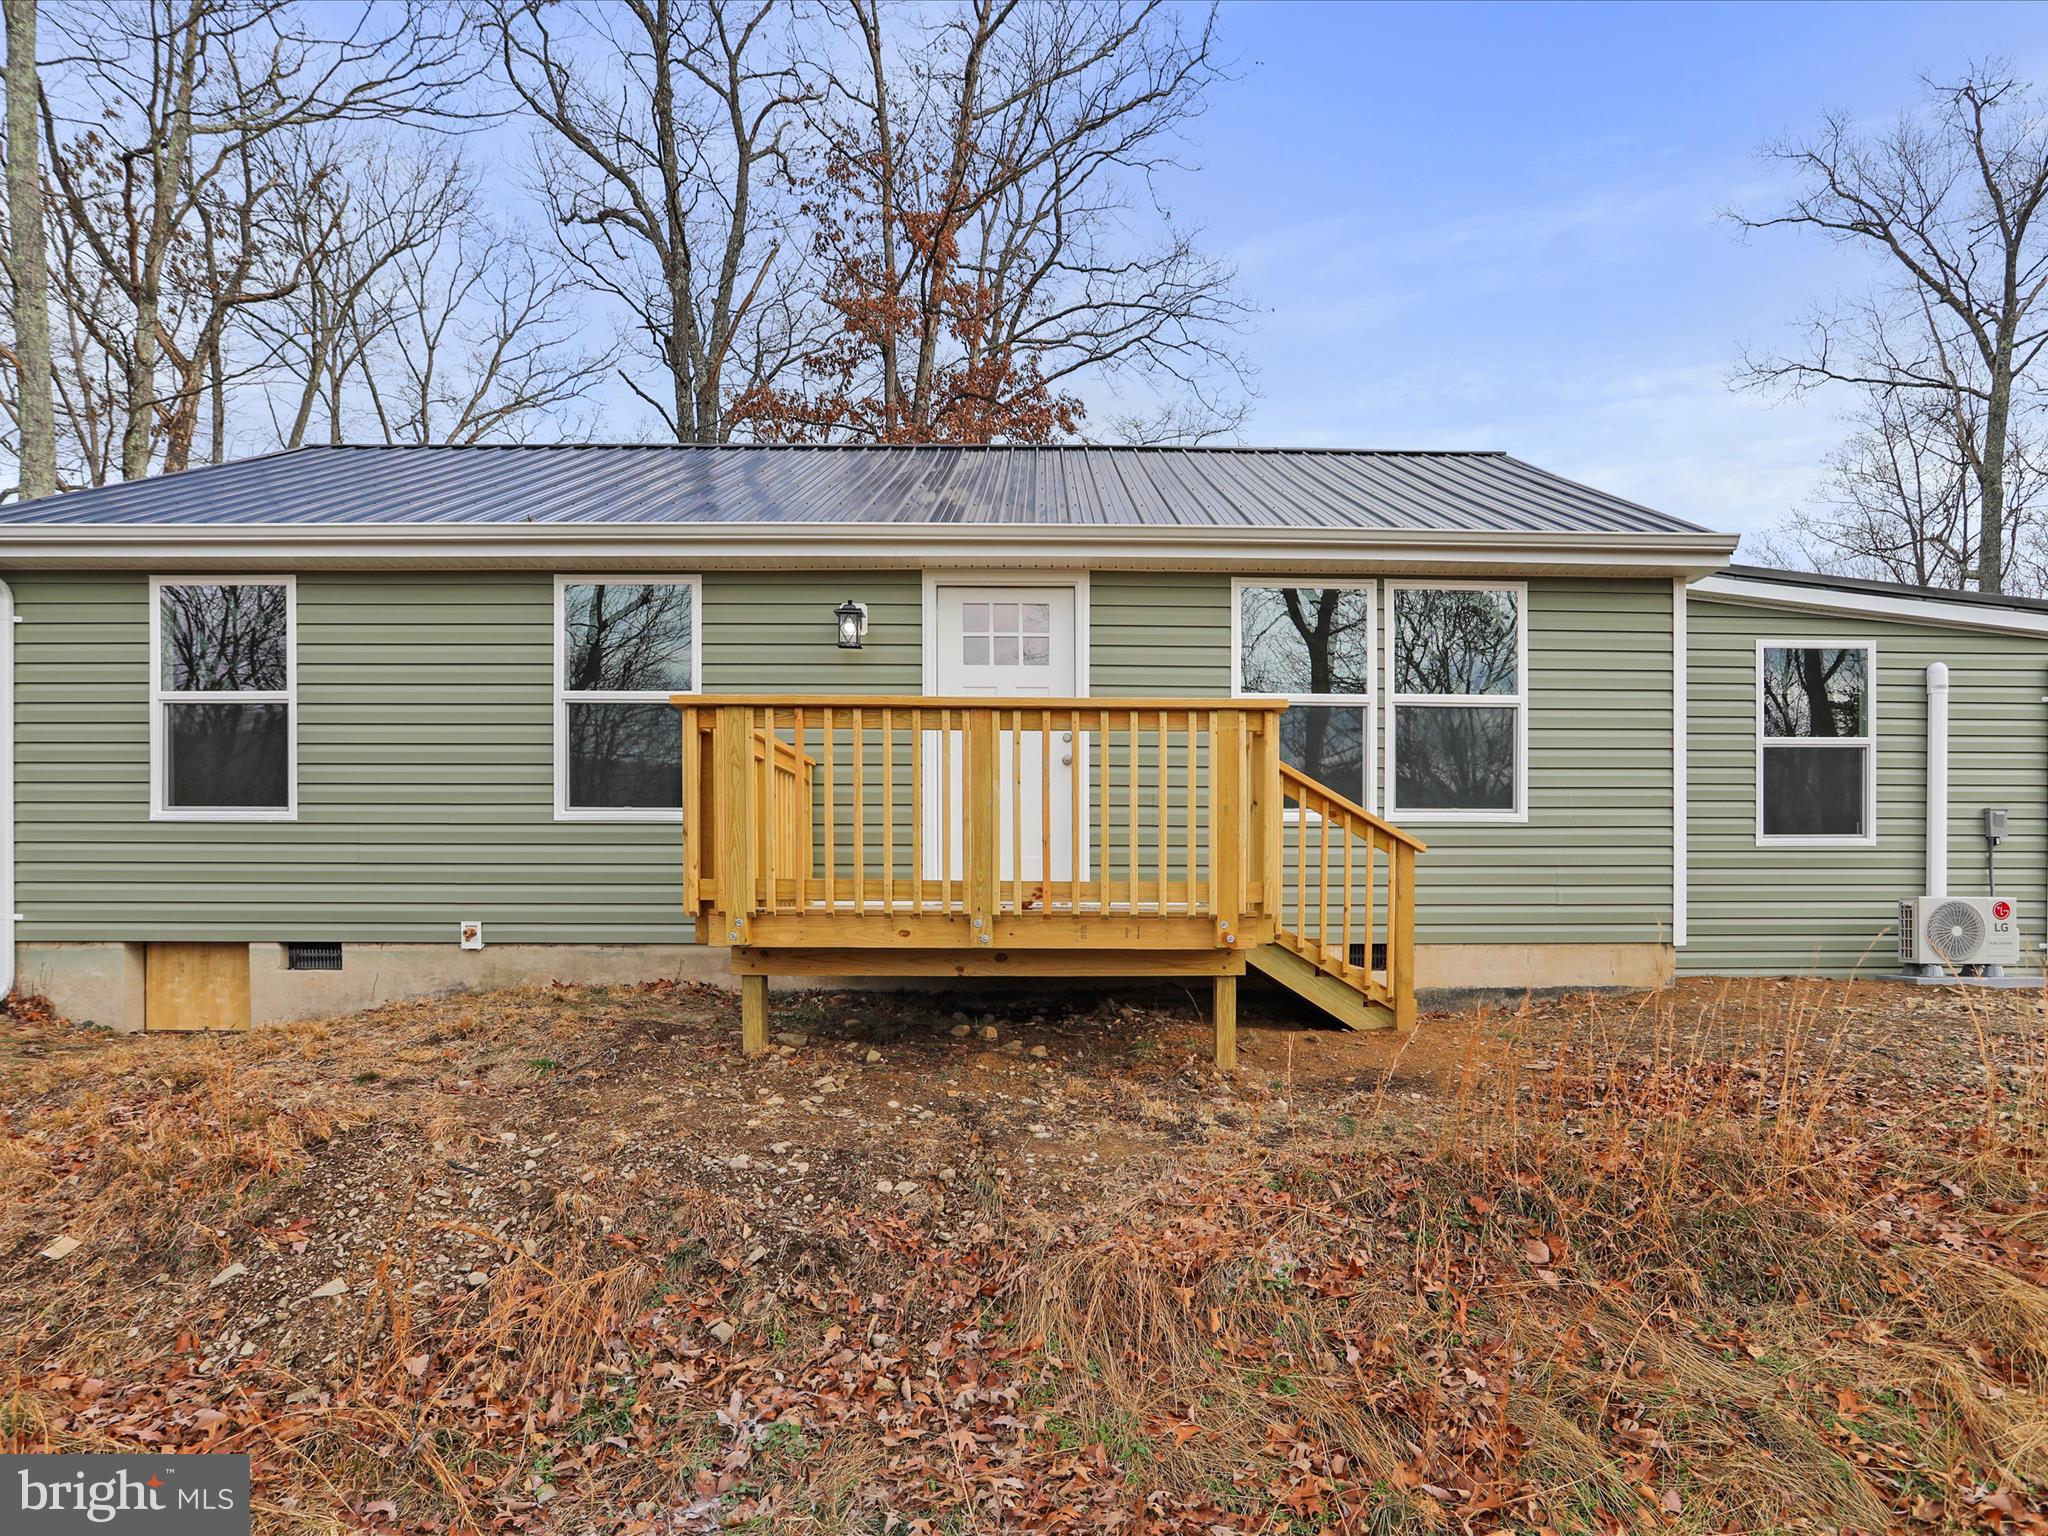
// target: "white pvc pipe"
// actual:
[[1937, 779], [7, 912]]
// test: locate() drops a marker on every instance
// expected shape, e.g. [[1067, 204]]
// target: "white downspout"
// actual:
[[1937, 779], [7, 912]]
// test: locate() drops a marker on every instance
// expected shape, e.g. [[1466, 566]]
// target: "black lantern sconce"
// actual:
[[853, 624]]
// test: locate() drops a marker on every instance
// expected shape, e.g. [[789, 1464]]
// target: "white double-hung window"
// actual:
[[1816, 739], [1458, 698], [223, 711], [623, 645], [1312, 646]]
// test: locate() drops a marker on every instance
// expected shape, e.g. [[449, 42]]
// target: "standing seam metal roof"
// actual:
[[1064, 486]]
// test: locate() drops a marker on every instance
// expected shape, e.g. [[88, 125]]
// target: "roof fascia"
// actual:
[[813, 545], [1872, 605]]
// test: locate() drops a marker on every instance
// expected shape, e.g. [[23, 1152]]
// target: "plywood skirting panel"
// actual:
[[196, 986]]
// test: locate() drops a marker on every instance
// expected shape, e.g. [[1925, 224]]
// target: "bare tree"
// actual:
[[1948, 203], [352, 212], [27, 258], [1900, 502], [664, 126], [982, 172], [178, 99], [482, 343]]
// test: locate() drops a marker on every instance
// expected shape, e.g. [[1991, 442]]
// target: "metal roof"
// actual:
[[1227, 488]]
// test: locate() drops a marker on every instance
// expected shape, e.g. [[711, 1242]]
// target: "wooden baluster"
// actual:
[[860, 809], [1194, 748], [1372, 865], [767, 821], [1131, 814], [1301, 869], [1323, 879], [1045, 813], [1104, 790], [1165, 831], [1401, 938], [917, 810], [1186, 807], [1226, 755], [830, 869], [802, 810], [888, 809], [982, 893], [1077, 799], [946, 809], [1016, 811], [1347, 892]]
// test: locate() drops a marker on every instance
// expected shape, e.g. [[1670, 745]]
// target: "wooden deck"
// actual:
[[974, 837]]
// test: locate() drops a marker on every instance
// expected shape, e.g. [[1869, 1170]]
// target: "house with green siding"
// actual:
[[310, 731]]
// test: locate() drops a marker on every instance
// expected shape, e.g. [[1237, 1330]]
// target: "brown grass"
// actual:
[[1719, 1259]]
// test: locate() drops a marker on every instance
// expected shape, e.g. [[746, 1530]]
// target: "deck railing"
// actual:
[[932, 824], [1021, 818], [1348, 899]]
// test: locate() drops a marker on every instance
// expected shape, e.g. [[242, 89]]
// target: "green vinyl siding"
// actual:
[[776, 632], [1593, 862], [1160, 633], [426, 762], [1834, 911]]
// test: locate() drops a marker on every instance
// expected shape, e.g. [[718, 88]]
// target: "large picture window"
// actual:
[[1457, 700], [1816, 741], [223, 681], [622, 647], [1313, 646]]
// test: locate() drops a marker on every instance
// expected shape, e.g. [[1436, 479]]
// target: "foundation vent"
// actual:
[[312, 957]]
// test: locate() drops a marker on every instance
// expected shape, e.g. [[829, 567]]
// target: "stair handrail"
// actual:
[[1289, 774], [1402, 847]]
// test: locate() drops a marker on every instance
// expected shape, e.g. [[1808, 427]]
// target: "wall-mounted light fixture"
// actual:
[[853, 624]]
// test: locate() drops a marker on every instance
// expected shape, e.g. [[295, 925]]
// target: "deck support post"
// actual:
[[753, 1015], [1226, 1023]]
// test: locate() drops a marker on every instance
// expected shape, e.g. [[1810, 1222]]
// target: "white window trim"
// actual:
[[1368, 701], [160, 808], [1518, 701], [563, 697], [1868, 741]]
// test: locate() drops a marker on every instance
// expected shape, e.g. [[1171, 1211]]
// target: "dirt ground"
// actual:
[[1745, 1255]]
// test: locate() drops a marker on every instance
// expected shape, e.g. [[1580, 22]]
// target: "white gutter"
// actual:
[[815, 545], [1937, 779], [8, 915]]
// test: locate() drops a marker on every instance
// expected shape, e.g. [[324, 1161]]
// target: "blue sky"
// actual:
[[1495, 226]]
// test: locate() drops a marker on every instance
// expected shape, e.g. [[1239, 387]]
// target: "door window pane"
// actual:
[[223, 639], [628, 638], [227, 756], [1455, 641], [974, 650], [1305, 640], [625, 756], [1452, 757], [1326, 742], [1814, 791]]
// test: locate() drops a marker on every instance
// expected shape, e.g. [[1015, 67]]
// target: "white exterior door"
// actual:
[[1010, 643]]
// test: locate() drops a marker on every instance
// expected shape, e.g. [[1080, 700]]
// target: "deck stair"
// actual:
[[1345, 864], [977, 837]]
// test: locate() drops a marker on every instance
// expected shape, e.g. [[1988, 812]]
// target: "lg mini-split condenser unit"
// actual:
[[1958, 930]]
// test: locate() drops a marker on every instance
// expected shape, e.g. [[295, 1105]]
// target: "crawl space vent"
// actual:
[[312, 957]]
